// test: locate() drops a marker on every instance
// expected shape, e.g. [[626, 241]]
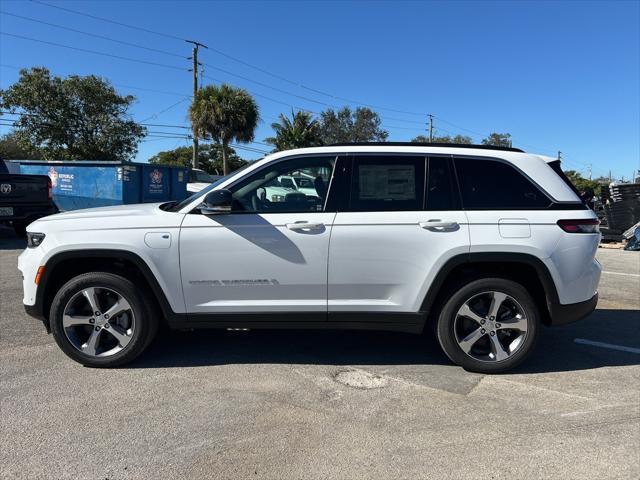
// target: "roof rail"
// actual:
[[425, 144]]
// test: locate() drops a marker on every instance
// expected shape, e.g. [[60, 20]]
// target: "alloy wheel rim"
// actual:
[[491, 326], [98, 321]]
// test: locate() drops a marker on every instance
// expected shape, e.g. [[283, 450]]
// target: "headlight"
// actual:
[[277, 198], [34, 239]]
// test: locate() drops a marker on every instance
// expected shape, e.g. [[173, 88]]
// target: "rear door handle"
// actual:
[[305, 226], [438, 225]]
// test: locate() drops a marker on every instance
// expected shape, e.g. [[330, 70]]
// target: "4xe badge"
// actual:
[[5, 188]]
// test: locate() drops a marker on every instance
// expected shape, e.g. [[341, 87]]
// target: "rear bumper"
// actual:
[[563, 314]]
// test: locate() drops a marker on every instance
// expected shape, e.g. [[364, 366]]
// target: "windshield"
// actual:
[[304, 182], [202, 177], [180, 205]]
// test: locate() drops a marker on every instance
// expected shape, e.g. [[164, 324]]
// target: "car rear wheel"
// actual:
[[490, 325], [102, 320]]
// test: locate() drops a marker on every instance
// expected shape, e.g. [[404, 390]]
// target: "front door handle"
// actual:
[[437, 225], [305, 226]]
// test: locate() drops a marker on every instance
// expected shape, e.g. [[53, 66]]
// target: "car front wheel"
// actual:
[[101, 320], [490, 325]]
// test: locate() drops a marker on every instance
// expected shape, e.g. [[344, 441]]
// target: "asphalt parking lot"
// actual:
[[292, 404]]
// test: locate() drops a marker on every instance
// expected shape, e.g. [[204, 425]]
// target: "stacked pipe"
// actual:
[[621, 205]]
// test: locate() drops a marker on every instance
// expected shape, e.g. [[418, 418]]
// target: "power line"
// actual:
[[157, 134], [12, 123], [157, 114], [95, 17], [208, 77], [231, 57], [122, 85], [247, 79], [95, 52], [210, 66], [155, 139], [459, 127], [250, 149], [180, 56], [165, 125], [95, 35], [301, 97], [153, 132], [250, 65]]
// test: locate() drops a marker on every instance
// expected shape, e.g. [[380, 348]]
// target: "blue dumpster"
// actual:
[[85, 184]]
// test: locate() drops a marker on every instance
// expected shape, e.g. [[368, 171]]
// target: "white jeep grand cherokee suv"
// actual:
[[485, 244]]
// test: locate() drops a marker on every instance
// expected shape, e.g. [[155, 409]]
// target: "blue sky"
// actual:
[[556, 75]]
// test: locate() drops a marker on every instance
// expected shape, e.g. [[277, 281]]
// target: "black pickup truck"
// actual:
[[24, 198]]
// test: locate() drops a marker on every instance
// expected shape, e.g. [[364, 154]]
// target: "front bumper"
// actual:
[[35, 312], [563, 314]]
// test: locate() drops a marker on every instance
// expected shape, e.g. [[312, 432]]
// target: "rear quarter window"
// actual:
[[493, 185]]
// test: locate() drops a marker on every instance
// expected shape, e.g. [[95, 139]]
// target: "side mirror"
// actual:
[[216, 202]]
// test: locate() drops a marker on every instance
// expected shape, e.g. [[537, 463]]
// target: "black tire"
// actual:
[[20, 228], [146, 324], [446, 325]]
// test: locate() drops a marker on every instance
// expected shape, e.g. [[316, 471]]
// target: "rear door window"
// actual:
[[387, 183], [442, 192], [494, 185]]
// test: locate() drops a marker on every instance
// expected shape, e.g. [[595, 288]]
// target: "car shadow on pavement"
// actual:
[[9, 240], [557, 351]]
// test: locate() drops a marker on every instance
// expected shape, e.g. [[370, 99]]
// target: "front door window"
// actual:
[[272, 189]]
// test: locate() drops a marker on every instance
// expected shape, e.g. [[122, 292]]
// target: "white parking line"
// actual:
[[620, 273], [607, 345]]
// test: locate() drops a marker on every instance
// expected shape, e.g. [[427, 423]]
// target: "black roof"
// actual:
[[425, 144]]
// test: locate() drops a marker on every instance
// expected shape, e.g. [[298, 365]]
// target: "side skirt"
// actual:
[[388, 321]]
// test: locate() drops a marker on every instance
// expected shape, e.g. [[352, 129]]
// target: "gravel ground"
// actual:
[[324, 404]]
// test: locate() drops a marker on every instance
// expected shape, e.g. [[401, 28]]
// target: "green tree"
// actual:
[[210, 158], [582, 184], [458, 139], [347, 126], [498, 140], [225, 114], [10, 149], [299, 131], [180, 157], [72, 118]]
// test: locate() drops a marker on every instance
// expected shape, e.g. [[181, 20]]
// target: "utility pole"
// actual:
[[589, 171], [430, 128], [559, 155], [194, 69]]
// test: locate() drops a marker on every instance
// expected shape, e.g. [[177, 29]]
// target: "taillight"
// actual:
[[49, 189], [586, 225]]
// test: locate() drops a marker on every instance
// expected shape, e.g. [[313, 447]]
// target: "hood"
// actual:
[[106, 212], [142, 215]]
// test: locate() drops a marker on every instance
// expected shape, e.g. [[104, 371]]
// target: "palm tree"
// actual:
[[301, 130], [225, 114]]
